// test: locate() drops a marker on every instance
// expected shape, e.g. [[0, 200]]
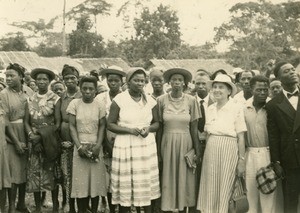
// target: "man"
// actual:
[[157, 82], [284, 133], [257, 144], [204, 100], [243, 79], [275, 88]]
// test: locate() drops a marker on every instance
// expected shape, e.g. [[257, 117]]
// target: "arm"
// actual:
[[154, 124], [113, 119], [241, 167], [195, 139], [100, 138], [57, 114], [13, 138]]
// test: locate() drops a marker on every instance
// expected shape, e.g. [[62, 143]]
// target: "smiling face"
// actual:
[[221, 91], [71, 81], [13, 79], [287, 75], [137, 82]]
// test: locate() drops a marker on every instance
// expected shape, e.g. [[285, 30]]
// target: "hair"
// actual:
[[58, 82], [239, 75], [95, 74], [18, 68], [259, 78], [278, 65], [90, 79], [120, 76], [214, 75], [136, 73], [203, 70]]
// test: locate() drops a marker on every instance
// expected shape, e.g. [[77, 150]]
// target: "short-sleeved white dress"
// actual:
[[134, 173]]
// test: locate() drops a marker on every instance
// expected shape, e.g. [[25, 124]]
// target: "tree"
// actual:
[[259, 31], [14, 42], [85, 43], [89, 7], [157, 34]]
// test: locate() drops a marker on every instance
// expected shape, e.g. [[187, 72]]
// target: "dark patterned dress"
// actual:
[[40, 175]]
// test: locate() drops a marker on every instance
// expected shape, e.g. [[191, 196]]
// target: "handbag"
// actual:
[[190, 160], [238, 202]]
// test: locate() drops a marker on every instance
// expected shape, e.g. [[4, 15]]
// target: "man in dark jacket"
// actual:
[[284, 133]]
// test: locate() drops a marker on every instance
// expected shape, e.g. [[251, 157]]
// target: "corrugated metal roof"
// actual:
[[90, 64], [31, 60], [211, 65]]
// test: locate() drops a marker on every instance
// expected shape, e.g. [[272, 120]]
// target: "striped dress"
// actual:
[[220, 157], [134, 172]]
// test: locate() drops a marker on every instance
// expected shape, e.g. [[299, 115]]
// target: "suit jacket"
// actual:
[[284, 131]]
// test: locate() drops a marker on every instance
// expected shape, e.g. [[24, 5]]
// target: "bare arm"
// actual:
[[113, 119], [57, 114], [73, 130], [195, 138], [241, 153]]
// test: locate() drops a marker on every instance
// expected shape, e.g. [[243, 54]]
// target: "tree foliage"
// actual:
[[14, 42], [156, 34], [259, 31], [83, 42]]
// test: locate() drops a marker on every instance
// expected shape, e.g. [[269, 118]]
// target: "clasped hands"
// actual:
[[142, 132]]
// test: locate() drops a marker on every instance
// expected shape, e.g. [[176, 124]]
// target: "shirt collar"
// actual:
[[286, 92], [205, 99]]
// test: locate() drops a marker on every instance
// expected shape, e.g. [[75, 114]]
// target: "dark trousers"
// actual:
[[291, 190]]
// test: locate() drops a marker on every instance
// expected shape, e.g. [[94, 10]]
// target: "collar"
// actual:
[[286, 92], [76, 95], [21, 91], [205, 99]]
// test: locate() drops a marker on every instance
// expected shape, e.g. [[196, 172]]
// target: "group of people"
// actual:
[[164, 150]]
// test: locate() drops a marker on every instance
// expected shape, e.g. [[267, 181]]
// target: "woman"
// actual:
[[32, 85], [42, 120], [14, 98], [225, 148], [70, 77], [133, 117], [87, 126], [114, 78], [157, 82], [178, 116], [5, 180]]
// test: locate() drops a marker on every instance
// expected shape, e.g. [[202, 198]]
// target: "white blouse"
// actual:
[[227, 121]]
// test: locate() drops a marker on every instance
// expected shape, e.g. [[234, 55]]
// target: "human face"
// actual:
[[42, 82], [27, 76], [58, 89], [260, 92], [201, 86], [114, 82], [137, 82], [157, 83], [275, 88], [13, 79], [245, 80], [177, 82], [88, 91], [32, 86], [287, 75], [71, 81], [220, 91]]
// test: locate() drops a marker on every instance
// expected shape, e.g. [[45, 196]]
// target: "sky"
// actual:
[[197, 18]]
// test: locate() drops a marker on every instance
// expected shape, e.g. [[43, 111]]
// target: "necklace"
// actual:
[[176, 99]]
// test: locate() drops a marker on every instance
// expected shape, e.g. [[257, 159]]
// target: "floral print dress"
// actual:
[[40, 174]]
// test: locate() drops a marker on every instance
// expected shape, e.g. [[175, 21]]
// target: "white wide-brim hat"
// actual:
[[222, 78]]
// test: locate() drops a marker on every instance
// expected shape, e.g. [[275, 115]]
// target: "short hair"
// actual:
[[120, 76], [57, 82], [203, 70], [90, 79], [239, 75], [136, 73], [278, 65], [259, 78], [95, 74]]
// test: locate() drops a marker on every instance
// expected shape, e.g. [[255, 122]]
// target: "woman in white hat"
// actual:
[[225, 148]]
